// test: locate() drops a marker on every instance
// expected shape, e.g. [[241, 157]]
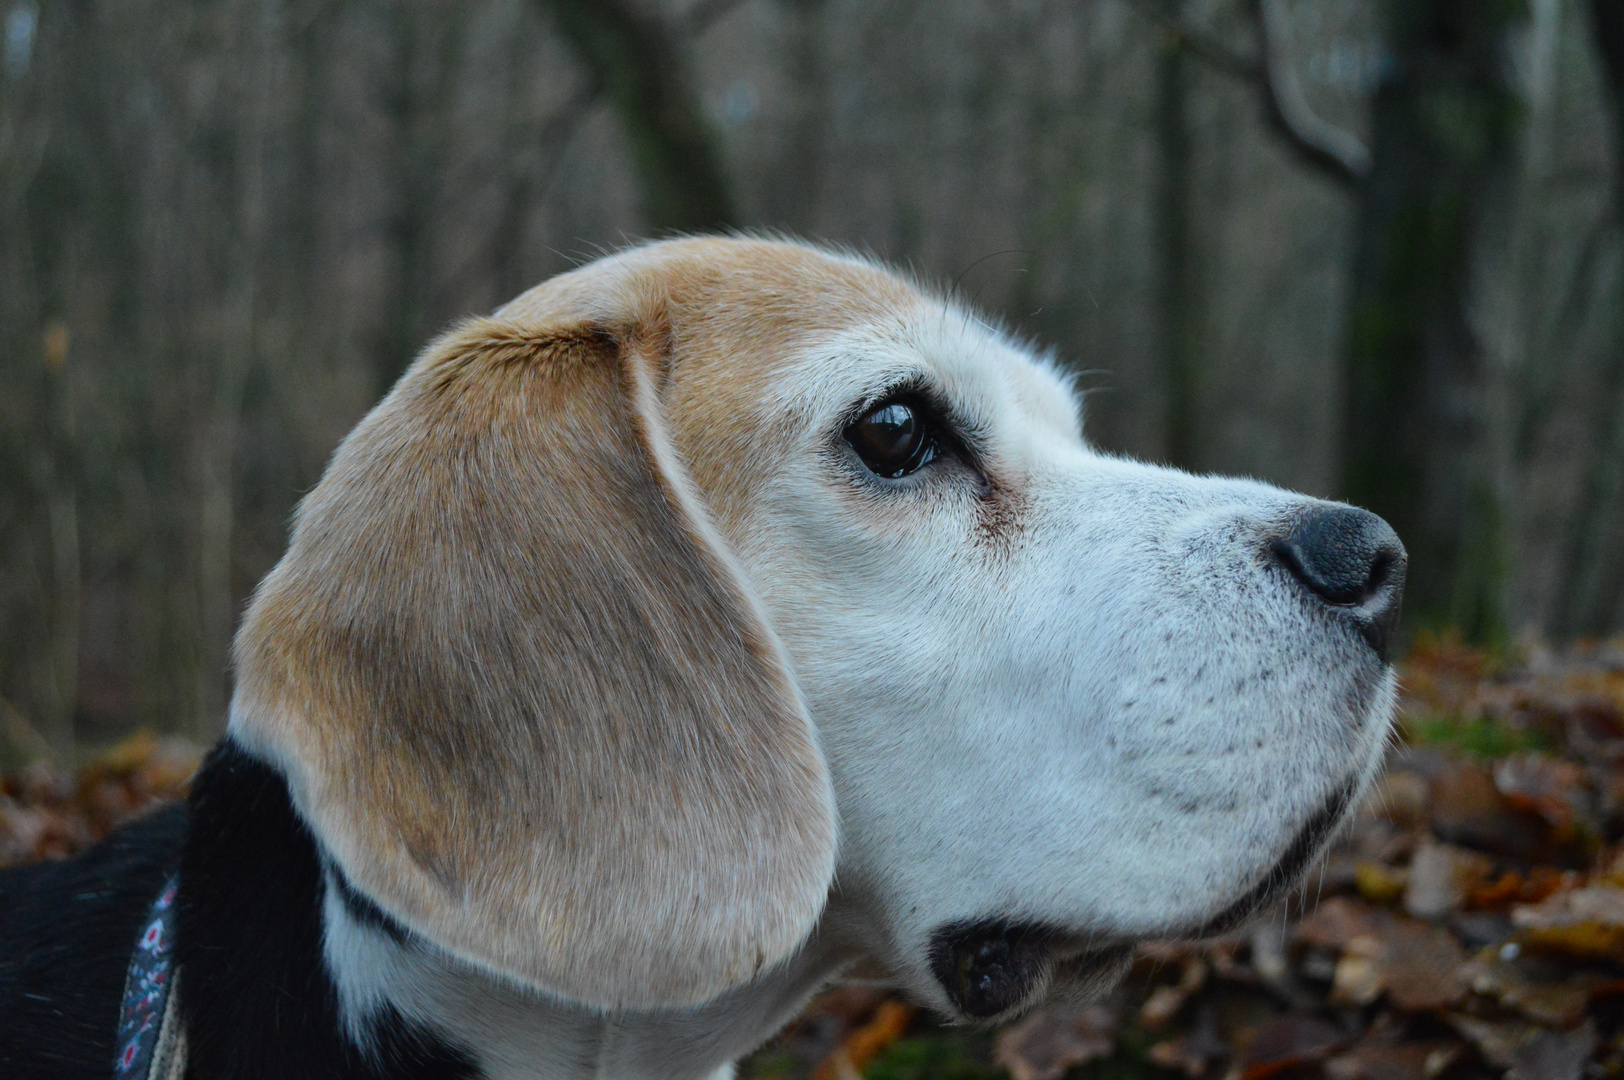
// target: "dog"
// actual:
[[714, 617]]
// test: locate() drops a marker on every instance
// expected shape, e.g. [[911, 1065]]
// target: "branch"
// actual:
[[1198, 43], [703, 14], [1337, 153], [1325, 147]]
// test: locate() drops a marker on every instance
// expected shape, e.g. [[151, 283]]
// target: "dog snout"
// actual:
[[1352, 561]]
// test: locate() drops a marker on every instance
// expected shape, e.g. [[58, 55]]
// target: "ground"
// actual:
[[1470, 925]]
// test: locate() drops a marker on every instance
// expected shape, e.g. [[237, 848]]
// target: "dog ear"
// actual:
[[523, 695]]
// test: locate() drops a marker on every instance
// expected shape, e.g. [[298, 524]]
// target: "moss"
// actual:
[[942, 1055], [1481, 737]]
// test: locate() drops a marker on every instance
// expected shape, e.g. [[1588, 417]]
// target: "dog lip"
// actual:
[[989, 966], [1286, 871]]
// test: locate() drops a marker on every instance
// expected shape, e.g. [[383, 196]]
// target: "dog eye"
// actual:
[[894, 439]]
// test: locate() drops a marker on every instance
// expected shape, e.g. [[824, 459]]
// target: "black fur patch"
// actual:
[[66, 933], [255, 991]]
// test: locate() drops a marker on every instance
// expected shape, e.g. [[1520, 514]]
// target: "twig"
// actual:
[[1335, 152], [1199, 43], [703, 14], [1326, 147]]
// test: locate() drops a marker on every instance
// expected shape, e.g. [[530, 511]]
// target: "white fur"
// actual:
[[1112, 713]]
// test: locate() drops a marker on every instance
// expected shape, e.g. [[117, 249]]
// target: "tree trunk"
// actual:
[[1607, 22], [632, 55], [1178, 287], [1443, 117], [1592, 599]]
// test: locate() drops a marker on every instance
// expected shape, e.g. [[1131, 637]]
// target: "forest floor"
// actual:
[[1470, 924]]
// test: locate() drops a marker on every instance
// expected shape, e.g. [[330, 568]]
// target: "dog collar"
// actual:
[[151, 1036]]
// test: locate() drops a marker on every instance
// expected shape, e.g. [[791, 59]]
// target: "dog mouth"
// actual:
[[991, 967]]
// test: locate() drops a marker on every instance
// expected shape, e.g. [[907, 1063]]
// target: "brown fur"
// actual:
[[519, 687], [736, 309]]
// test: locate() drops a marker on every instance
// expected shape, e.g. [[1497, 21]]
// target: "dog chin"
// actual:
[[993, 969]]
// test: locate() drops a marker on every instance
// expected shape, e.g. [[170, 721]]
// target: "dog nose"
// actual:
[[1353, 561]]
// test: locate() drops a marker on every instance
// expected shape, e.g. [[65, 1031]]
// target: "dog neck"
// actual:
[[513, 1032], [289, 971]]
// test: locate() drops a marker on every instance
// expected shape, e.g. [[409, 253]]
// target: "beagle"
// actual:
[[708, 619]]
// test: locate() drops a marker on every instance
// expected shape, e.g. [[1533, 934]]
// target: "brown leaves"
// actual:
[[1281, 1044], [1417, 966], [1052, 1040], [45, 814], [1470, 926], [885, 1026]]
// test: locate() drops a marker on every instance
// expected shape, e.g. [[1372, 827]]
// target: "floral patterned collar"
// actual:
[[151, 1036]]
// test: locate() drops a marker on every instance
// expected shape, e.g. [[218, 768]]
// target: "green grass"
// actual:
[[1481, 737], [941, 1055], [950, 1054]]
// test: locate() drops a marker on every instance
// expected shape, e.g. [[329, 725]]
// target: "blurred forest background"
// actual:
[[1370, 249]]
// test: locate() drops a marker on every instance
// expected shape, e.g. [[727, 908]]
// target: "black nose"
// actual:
[[1352, 560]]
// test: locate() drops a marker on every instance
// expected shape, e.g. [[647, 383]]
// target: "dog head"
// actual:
[[721, 573]]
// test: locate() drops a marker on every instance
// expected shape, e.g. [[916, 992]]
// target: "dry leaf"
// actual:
[[888, 1024], [1586, 923], [1281, 1044], [1441, 877], [1336, 922], [1558, 1004], [1165, 1001], [1498, 1042], [1373, 1059], [1554, 1055], [1544, 786], [1050, 1041]]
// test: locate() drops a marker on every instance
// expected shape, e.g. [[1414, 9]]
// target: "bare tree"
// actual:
[[1442, 120]]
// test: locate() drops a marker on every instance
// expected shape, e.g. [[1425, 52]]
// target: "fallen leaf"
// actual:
[[888, 1024], [1599, 904], [1373, 1059], [1554, 1055], [1050, 1041], [1468, 809], [1377, 882], [1359, 980], [1586, 923], [1165, 1001], [1336, 922], [1286, 1042], [1498, 1042], [1419, 966], [1494, 975], [1423, 966], [1545, 786], [1502, 890], [1441, 876]]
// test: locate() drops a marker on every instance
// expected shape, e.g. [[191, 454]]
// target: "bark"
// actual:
[[1179, 285], [1607, 23], [1593, 589], [1443, 119]]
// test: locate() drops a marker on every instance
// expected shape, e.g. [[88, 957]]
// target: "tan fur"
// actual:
[[519, 687], [736, 309]]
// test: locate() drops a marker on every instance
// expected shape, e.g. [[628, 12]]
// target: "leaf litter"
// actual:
[[1470, 924]]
